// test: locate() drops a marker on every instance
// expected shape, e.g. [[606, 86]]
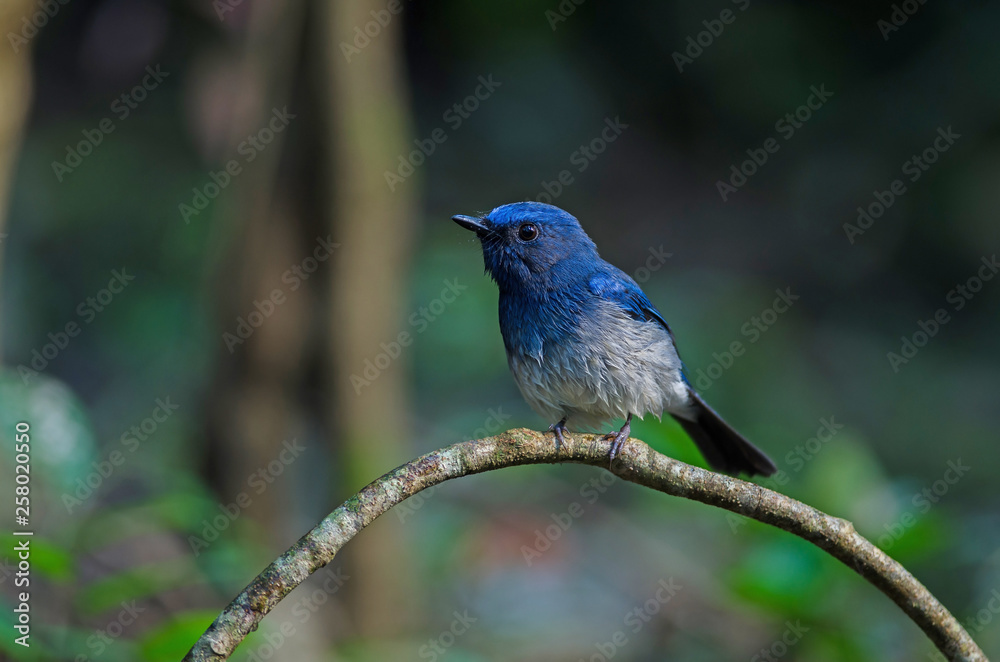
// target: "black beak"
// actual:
[[472, 223]]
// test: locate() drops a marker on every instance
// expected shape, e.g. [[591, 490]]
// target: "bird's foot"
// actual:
[[557, 430], [619, 438]]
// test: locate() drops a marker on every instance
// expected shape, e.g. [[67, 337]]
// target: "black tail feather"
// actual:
[[724, 448]]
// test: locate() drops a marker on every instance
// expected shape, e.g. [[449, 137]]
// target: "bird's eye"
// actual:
[[527, 232]]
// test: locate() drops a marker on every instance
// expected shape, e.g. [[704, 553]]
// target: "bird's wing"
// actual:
[[623, 291]]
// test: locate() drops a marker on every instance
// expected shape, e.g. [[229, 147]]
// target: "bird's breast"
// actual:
[[531, 324], [595, 365]]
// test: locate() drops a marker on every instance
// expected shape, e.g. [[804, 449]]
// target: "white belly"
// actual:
[[613, 366]]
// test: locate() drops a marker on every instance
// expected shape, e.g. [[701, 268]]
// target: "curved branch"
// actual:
[[637, 463]]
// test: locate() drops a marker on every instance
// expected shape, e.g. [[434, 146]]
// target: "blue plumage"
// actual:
[[584, 343]]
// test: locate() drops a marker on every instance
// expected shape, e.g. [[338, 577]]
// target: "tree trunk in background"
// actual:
[[256, 402], [15, 83], [259, 385], [369, 128]]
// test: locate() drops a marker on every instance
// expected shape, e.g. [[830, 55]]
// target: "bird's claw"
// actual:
[[618, 439], [557, 430]]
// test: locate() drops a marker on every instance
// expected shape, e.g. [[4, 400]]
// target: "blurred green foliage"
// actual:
[[130, 540]]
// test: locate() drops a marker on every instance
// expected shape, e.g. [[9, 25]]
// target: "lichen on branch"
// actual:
[[637, 463]]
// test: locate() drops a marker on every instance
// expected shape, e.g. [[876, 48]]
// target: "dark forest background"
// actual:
[[202, 311]]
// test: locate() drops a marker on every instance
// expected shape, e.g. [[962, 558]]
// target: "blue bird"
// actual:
[[584, 343]]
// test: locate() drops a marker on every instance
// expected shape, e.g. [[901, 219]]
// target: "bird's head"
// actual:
[[531, 246]]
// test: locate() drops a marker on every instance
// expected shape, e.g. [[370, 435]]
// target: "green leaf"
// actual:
[[47, 558], [783, 575], [170, 641], [135, 583]]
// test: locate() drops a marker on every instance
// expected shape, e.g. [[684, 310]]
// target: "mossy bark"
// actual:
[[637, 463]]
